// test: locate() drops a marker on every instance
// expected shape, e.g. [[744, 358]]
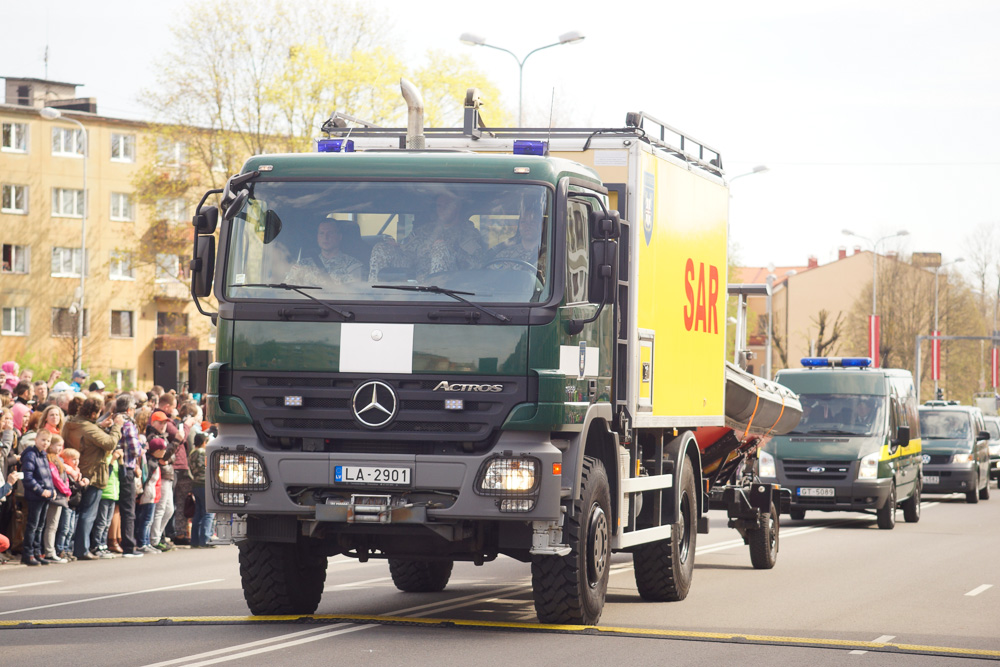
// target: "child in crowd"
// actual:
[[58, 503], [38, 488], [8, 461], [106, 509], [150, 495], [67, 522], [201, 523]]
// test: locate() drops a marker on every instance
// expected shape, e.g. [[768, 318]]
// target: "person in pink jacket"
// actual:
[[57, 504]]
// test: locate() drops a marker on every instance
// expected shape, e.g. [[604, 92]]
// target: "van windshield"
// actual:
[[841, 414], [944, 425]]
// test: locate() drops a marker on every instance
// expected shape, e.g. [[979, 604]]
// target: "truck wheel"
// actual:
[[664, 569], [420, 576], [797, 515], [571, 589], [887, 513], [911, 506], [764, 541], [281, 579]]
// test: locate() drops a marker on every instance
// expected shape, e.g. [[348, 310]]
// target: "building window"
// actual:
[[67, 141], [64, 322], [121, 324], [171, 324], [122, 208], [15, 322], [171, 210], [121, 266], [67, 203], [15, 199], [67, 262], [15, 138], [171, 153], [122, 147], [168, 268], [122, 378], [15, 258]]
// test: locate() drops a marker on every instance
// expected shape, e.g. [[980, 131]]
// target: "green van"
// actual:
[[857, 447]]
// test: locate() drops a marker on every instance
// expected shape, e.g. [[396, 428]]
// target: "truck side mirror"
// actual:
[[203, 266], [605, 225], [603, 271], [206, 220]]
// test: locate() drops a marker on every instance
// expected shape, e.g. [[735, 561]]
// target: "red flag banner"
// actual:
[[873, 340], [936, 357]]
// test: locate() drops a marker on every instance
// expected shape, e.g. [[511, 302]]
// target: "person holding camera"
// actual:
[[83, 433]]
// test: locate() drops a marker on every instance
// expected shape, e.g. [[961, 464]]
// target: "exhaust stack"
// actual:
[[414, 115]]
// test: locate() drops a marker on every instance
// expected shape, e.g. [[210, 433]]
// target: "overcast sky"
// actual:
[[873, 115]]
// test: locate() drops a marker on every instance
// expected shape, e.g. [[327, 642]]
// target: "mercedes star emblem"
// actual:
[[374, 404]]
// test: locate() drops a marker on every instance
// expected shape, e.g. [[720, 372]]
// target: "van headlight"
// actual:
[[765, 464], [995, 450], [241, 471], [961, 458], [869, 466]]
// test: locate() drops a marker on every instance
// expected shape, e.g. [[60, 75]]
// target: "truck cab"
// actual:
[[857, 446]]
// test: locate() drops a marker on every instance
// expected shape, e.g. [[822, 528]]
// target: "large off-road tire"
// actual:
[[887, 513], [797, 515], [664, 569], [420, 576], [764, 541], [281, 579], [911, 506], [571, 589]]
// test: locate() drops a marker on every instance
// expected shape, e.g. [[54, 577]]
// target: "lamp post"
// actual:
[[48, 113], [759, 169], [936, 357], [475, 40], [873, 324]]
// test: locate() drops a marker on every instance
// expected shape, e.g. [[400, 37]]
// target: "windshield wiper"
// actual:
[[346, 314], [454, 294], [832, 431]]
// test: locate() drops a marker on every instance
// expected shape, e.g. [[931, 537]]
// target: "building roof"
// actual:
[[33, 80], [758, 274]]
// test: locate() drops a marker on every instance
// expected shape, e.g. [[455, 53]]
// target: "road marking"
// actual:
[[884, 639], [108, 597], [977, 591], [356, 584], [10, 589]]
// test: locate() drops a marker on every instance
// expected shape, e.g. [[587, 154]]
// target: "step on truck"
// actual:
[[440, 345]]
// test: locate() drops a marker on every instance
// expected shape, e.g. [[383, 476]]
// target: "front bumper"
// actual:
[[441, 489], [952, 478], [847, 495]]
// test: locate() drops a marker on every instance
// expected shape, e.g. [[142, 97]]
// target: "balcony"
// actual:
[[179, 342], [172, 291]]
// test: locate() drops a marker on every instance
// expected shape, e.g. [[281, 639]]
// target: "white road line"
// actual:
[[108, 597], [331, 632], [260, 642], [356, 584], [10, 589], [884, 639], [980, 589]]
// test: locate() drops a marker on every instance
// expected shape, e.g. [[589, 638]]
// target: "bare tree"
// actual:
[[826, 342]]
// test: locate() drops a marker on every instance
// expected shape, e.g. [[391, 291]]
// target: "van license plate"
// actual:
[[811, 491], [371, 475], [932, 479]]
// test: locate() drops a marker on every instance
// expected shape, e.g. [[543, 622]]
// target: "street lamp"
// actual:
[[873, 333], [759, 169], [48, 113], [470, 39], [937, 331]]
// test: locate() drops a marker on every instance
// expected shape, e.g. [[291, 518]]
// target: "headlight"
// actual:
[[961, 458], [994, 450], [501, 476], [765, 464], [869, 467], [241, 471]]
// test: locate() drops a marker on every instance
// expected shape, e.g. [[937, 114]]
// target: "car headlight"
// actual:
[[508, 475], [765, 464], [869, 467], [961, 458], [242, 471]]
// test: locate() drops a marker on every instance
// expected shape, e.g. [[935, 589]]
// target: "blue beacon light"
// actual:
[[827, 362], [335, 146]]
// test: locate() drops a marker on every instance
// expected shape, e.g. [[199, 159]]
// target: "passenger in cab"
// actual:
[[524, 246], [331, 265]]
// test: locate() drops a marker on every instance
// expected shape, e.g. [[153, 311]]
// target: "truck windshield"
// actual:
[[841, 414], [343, 238]]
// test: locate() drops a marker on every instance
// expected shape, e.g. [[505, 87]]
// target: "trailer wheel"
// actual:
[[911, 507], [571, 589], [886, 514], [764, 541], [281, 579], [664, 569], [420, 576]]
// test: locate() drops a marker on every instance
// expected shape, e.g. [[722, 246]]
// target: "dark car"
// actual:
[[993, 426], [956, 450]]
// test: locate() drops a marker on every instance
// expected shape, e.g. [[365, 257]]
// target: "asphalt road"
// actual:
[[843, 592]]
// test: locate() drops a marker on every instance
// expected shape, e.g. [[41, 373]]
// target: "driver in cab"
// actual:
[[330, 265]]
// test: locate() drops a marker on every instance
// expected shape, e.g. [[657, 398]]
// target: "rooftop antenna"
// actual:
[[552, 104]]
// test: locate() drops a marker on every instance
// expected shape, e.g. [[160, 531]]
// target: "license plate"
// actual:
[[812, 491], [932, 479], [376, 475]]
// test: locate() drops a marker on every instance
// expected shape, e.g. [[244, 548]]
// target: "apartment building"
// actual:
[[136, 298]]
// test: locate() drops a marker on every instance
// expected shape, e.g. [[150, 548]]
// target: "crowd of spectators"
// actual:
[[89, 474]]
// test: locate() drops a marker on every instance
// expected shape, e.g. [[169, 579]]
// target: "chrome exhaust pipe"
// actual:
[[414, 115]]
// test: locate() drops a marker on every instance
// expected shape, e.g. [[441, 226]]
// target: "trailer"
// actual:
[[440, 345]]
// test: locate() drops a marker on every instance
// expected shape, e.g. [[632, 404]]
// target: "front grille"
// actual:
[[939, 459], [799, 470], [326, 414]]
